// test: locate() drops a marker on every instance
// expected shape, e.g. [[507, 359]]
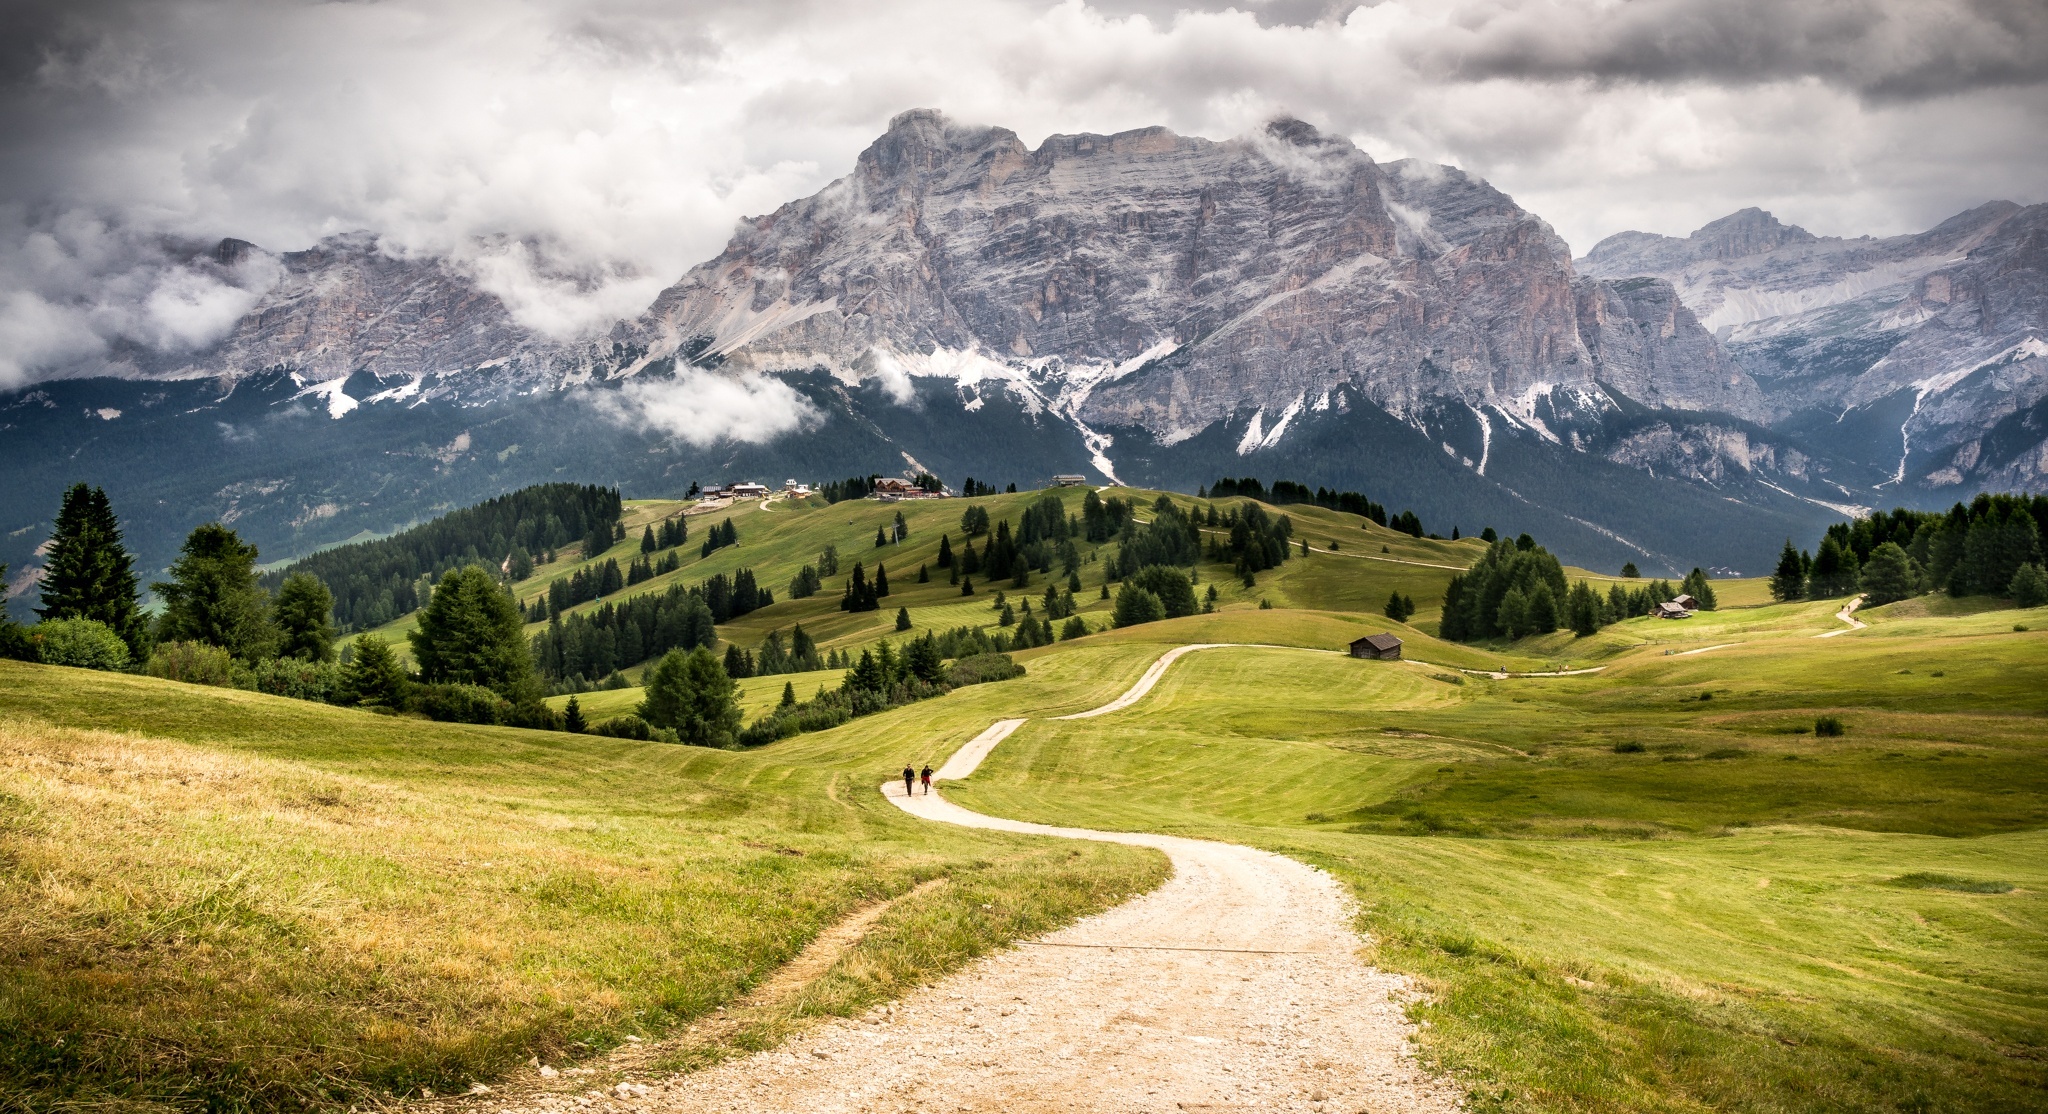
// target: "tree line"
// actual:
[[1284, 492], [1990, 547], [378, 581]]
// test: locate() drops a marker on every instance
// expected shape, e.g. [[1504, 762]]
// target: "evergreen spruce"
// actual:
[[572, 718], [902, 618], [1789, 581], [213, 597], [88, 573], [304, 613], [470, 633]]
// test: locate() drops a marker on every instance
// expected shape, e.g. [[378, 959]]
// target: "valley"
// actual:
[[1653, 886]]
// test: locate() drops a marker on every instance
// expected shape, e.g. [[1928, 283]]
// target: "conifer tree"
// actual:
[[881, 581], [304, 616], [572, 718], [1700, 589], [1628, 571], [213, 597], [373, 677], [470, 633], [924, 576], [902, 618], [945, 557], [647, 542], [788, 694], [88, 573], [1789, 581], [881, 538]]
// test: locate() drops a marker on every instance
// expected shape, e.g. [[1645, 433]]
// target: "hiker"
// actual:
[[909, 779], [927, 779]]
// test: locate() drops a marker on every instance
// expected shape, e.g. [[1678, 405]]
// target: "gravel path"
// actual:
[[1234, 987]]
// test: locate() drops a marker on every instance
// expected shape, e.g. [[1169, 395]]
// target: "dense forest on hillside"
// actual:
[[1989, 547], [376, 582]]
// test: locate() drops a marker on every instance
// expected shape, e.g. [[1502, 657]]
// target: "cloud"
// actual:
[[703, 408], [576, 156]]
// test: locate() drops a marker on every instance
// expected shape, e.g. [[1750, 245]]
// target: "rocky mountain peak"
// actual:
[[1746, 232]]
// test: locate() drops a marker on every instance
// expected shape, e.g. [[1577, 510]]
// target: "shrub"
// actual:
[[633, 727], [1829, 726], [982, 668], [317, 681], [1076, 627], [456, 703], [15, 644], [1630, 747], [81, 643], [194, 663]]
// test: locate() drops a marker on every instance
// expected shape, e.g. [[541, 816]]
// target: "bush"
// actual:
[[531, 714], [317, 681], [982, 668], [1630, 747], [1076, 627], [194, 663], [81, 643], [454, 703], [633, 727], [1828, 726], [15, 644]]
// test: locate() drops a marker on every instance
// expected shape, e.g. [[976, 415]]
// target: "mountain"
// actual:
[[1923, 358], [1147, 307]]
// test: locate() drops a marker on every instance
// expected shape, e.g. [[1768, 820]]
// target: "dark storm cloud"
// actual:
[[1881, 48]]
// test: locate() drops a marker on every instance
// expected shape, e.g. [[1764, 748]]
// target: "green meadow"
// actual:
[[1649, 887]]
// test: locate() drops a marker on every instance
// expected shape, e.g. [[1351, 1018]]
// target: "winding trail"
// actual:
[[1236, 986], [1848, 615]]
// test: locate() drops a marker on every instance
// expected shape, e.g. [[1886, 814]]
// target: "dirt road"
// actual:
[[1236, 986]]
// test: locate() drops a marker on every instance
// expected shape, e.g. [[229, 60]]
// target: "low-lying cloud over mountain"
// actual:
[[573, 158]]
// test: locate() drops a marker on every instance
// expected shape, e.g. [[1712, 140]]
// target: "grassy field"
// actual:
[[1650, 887], [220, 900], [1734, 916]]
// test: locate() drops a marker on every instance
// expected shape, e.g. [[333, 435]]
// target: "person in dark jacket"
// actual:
[[927, 779], [909, 780]]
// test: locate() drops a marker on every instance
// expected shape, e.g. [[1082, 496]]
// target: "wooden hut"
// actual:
[[1382, 647]]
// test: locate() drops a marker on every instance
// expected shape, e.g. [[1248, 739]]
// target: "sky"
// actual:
[[575, 158]]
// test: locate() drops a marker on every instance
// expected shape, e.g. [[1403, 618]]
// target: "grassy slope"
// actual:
[[1701, 923], [218, 898], [1706, 923]]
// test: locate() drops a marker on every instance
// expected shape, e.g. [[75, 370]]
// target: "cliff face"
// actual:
[[1165, 283], [1925, 355], [344, 306]]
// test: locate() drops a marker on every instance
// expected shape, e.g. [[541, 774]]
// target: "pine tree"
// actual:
[[1890, 575], [572, 718], [902, 618], [373, 677], [945, 558], [470, 633], [881, 581], [88, 573], [788, 694], [923, 575], [304, 615], [213, 597], [966, 586], [1789, 581], [1700, 589], [881, 538], [1628, 569]]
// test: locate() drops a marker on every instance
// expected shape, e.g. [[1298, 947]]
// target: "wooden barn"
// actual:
[[1383, 647]]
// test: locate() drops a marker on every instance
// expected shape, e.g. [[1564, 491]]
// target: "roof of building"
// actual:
[[1378, 642]]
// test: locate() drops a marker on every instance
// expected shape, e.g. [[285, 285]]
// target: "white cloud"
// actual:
[[578, 155], [703, 408]]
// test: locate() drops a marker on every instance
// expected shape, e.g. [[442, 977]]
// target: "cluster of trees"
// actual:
[[1254, 541], [718, 537], [376, 582], [591, 582], [863, 594], [1992, 546], [1172, 538], [1284, 492], [1152, 593], [1517, 588], [673, 532], [576, 653], [647, 568], [1512, 591], [974, 487], [893, 533], [1400, 608], [882, 678], [1103, 519], [798, 655]]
